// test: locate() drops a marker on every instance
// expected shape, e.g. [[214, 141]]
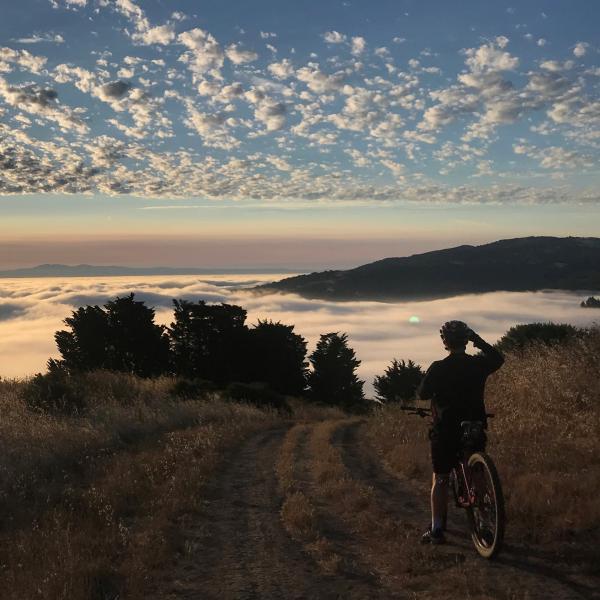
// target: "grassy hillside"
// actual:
[[92, 503]]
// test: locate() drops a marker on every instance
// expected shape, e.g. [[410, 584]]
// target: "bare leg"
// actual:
[[439, 500]]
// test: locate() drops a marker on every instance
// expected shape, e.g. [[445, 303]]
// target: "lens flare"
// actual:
[[414, 320]]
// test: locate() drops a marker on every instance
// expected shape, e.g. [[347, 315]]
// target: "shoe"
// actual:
[[433, 536]]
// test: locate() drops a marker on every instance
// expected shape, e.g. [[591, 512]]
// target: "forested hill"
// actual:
[[520, 264]]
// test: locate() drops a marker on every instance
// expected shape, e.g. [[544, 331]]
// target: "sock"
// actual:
[[437, 524]]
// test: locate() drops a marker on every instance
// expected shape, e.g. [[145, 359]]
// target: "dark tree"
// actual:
[[136, 344], [333, 379], [519, 336], [399, 382], [277, 357], [122, 336], [209, 341], [85, 346]]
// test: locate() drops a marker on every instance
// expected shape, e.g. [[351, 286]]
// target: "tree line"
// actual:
[[208, 342], [213, 343]]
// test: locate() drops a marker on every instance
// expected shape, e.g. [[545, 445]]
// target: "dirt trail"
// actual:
[[238, 547]]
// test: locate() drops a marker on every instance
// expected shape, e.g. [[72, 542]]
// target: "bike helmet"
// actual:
[[455, 334]]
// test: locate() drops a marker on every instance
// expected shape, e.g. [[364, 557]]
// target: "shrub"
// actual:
[[54, 391], [258, 394], [192, 389], [519, 336], [399, 382]]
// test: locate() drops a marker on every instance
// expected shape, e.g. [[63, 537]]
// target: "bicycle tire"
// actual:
[[488, 548]]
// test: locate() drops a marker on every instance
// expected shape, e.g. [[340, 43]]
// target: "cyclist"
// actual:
[[455, 386]]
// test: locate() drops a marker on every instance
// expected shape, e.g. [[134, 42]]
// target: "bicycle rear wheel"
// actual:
[[486, 515]]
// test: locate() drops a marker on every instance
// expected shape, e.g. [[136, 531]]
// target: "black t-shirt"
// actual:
[[455, 386]]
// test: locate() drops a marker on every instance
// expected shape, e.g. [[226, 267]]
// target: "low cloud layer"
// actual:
[[32, 310]]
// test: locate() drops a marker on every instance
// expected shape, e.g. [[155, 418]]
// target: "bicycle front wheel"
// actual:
[[486, 515]]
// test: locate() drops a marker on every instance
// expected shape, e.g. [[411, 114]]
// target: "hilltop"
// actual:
[[520, 264]]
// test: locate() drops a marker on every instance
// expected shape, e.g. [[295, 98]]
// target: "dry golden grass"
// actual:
[[298, 513], [93, 505], [544, 440]]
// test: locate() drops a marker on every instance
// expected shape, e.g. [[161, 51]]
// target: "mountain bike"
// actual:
[[476, 488]]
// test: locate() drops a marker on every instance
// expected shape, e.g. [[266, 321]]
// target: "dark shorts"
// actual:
[[446, 449], [444, 453]]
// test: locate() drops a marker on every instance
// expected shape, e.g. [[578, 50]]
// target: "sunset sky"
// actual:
[[293, 134]]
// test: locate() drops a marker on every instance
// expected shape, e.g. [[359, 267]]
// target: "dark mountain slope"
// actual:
[[520, 264]]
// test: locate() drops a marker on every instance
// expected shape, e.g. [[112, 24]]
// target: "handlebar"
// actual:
[[417, 410], [424, 412]]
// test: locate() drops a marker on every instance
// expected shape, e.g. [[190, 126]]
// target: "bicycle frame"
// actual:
[[462, 474]]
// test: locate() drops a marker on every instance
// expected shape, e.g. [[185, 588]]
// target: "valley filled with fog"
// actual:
[[31, 310]]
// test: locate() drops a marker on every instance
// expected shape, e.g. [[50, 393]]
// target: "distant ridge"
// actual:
[[520, 264], [57, 270]]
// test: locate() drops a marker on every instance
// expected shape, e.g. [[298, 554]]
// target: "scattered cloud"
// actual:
[[194, 116]]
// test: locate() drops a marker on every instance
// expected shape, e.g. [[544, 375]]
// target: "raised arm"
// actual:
[[493, 357]]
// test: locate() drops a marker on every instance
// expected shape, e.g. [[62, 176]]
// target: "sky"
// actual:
[[32, 310], [293, 134]]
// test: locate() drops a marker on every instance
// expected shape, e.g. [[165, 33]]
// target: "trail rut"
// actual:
[[238, 549]]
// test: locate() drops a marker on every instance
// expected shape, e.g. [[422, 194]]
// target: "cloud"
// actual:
[[491, 57], [205, 53], [39, 38], [161, 34], [69, 4], [42, 102], [320, 82], [282, 69], [213, 128], [114, 90], [10, 311], [22, 59], [358, 45], [334, 37], [556, 66], [238, 56], [375, 131], [555, 157], [580, 49], [271, 113]]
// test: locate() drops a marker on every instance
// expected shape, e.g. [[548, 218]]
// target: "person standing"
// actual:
[[455, 386]]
